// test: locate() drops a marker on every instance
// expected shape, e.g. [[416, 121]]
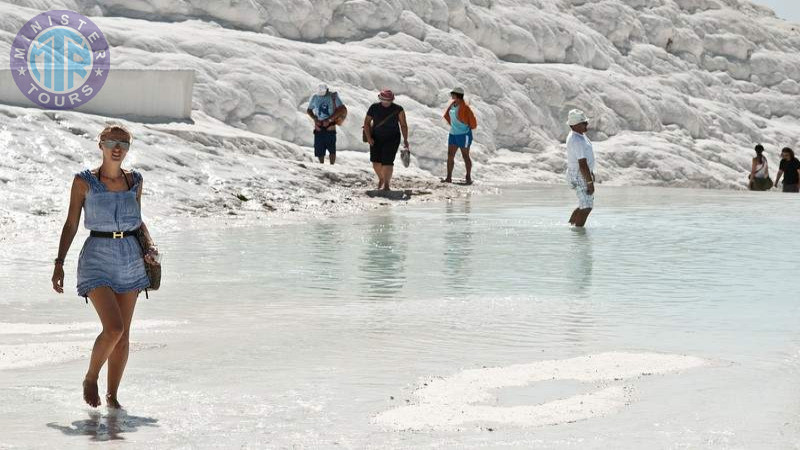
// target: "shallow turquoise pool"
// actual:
[[302, 335]]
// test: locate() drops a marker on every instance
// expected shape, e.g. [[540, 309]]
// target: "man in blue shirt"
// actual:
[[327, 111]]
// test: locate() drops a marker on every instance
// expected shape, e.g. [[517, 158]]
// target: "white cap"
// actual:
[[576, 116], [322, 89]]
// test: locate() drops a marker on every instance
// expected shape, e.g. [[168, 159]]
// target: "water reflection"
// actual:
[[579, 323], [326, 248], [458, 238], [108, 428], [579, 262], [382, 264]]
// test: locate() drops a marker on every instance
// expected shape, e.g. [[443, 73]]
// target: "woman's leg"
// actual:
[[119, 356], [378, 168], [467, 163], [387, 156], [387, 176], [105, 303], [451, 162]]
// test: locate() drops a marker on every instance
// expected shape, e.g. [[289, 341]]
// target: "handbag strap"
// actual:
[[387, 118]]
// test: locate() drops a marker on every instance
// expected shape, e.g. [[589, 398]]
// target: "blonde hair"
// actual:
[[112, 127]]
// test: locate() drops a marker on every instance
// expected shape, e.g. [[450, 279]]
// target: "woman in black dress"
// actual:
[[383, 126]]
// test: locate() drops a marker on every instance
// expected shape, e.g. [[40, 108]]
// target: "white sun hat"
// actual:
[[322, 89], [576, 116]]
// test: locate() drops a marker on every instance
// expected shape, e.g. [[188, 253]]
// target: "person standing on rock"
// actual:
[[383, 126], [790, 170], [759, 171], [327, 111], [462, 121], [580, 166]]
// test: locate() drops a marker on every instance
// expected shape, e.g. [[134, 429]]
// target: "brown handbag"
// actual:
[[340, 119], [153, 271]]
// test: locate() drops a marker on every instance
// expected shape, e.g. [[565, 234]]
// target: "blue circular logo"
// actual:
[[60, 59]]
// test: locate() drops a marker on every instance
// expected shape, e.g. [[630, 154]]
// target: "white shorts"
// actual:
[[577, 182]]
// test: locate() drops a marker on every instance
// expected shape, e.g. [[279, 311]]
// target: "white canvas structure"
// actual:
[[142, 95]]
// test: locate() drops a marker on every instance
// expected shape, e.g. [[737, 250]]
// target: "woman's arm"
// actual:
[[150, 251], [753, 168], [148, 239], [368, 130], [76, 197], [403, 127], [778, 177]]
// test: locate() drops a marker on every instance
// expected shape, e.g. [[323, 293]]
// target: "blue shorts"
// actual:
[[324, 140], [460, 140]]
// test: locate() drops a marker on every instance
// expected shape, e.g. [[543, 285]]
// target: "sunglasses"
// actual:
[[109, 143]]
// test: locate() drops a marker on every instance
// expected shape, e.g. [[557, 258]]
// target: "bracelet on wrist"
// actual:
[[59, 261]]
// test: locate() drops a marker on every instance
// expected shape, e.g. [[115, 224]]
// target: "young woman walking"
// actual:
[[111, 270]]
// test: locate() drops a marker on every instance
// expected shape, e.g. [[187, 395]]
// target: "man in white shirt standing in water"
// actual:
[[580, 166]]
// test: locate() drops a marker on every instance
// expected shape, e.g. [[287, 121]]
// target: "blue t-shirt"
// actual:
[[456, 126], [322, 106]]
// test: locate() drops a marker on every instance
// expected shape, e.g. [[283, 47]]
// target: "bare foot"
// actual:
[[90, 394], [112, 402], [447, 180], [469, 181]]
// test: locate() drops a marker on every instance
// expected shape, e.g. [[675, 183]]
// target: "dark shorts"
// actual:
[[324, 140], [385, 150], [791, 187]]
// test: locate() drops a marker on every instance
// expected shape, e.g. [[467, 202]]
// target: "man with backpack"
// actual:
[[327, 111]]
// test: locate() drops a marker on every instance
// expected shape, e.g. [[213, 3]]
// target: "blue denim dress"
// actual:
[[116, 263]]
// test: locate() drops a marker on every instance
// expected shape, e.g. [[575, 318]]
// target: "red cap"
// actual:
[[386, 94]]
